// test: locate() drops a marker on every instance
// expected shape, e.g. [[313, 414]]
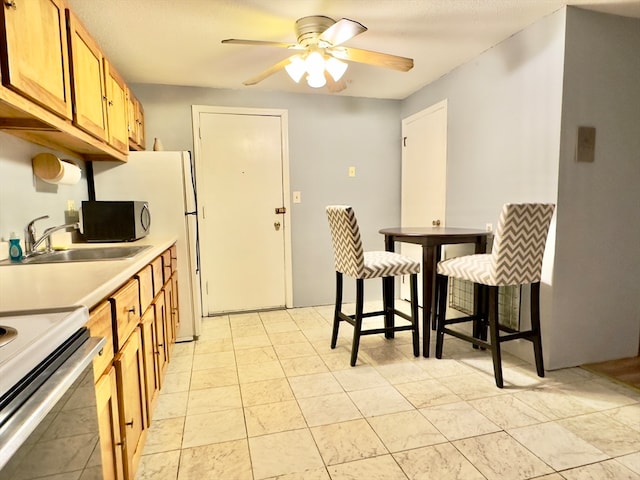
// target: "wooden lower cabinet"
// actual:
[[109, 426], [151, 368], [129, 366], [140, 329], [169, 311], [162, 343]]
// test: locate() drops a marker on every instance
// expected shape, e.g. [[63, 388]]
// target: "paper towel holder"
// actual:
[[51, 169]]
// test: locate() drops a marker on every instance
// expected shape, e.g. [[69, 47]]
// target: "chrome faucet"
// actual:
[[31, 244]]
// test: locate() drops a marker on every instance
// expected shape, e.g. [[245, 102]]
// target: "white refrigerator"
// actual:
[[166, 181]]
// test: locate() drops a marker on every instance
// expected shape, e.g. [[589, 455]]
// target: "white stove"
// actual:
[[45, 356], [38, 333]]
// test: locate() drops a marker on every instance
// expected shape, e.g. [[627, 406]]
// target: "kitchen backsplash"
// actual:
[[24, 197]]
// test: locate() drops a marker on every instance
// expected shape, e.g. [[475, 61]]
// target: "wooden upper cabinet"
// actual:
[[87, 80], [136, 123], [117, 120], [33, 52]]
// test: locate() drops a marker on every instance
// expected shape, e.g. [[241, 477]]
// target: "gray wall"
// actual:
[[513, 117], [504, 111], [327, 134], [503, 124], [24, 197], [596, 309]]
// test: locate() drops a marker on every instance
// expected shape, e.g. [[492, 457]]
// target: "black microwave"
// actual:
[[115, 221]]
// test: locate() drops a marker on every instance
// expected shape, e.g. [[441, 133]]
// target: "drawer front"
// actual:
[[145, 278], [166, 265], [100, 325], [158, 278], [126, 305]]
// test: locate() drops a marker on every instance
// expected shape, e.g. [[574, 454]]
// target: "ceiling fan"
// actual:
[[321, 53]]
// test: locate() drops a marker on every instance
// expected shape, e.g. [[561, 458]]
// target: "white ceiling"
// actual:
[[177, 42]]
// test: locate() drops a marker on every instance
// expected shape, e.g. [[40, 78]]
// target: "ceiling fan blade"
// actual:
[[373, 58], [236, 41], [341, 31], [268, 72], [332, 85]]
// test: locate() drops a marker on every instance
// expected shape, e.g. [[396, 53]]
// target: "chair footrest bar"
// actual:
[[385, 330], [403, 315], [468, 338], [469, 318], [528, 335]]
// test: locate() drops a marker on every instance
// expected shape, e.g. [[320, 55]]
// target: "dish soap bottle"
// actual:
[[15, 251]]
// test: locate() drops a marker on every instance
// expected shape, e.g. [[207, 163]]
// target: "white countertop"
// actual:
[[27, 287]]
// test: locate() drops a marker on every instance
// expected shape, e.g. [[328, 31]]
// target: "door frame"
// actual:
[[196, 110]]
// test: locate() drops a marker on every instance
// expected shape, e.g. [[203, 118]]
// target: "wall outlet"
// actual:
[[489, 227], [352, 171]]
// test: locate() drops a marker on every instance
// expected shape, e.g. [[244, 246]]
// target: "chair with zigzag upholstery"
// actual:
[[515, 259], [350, 259]]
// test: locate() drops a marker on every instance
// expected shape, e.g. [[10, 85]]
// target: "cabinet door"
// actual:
[[34, 54], [129, 364], [140, 122], [176, 304], [87, 80], [162, 346], [169, 308], [109, 426], [151, 370], [116, 108]]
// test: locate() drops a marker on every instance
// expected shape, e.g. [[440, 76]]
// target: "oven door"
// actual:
[[52, 428]]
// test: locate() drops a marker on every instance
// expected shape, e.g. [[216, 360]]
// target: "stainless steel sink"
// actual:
[[91, 254]]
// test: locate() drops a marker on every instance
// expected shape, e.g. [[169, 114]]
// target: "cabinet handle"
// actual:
[[10, 4], [110, 103], [130, 424]]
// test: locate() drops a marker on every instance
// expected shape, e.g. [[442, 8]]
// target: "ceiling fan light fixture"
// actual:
[[335, 67], [314, 64], [316, 81], [296, 69]]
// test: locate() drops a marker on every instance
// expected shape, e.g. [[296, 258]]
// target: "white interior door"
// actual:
[[241, 181], [424, 177]]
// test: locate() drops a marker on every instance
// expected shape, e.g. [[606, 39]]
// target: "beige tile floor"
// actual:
[[262, 396]]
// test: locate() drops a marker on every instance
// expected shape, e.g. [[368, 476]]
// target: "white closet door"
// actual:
[[424, 176]]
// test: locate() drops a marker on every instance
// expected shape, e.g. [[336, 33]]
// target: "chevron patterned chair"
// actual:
[[352, 260], [515, 259]]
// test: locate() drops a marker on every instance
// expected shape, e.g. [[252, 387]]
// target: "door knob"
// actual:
[[276, 225]]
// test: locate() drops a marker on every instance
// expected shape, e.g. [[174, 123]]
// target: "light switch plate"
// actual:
[[297, 197], [585, 150]]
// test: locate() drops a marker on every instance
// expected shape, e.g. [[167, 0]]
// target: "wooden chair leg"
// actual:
[[495, 334], [441, 301], [413, 284], [387, 306], [358, 320], [338, 309], [535, 327], [480, 308]]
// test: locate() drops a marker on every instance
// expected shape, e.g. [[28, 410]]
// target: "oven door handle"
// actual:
[[18, 428]]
